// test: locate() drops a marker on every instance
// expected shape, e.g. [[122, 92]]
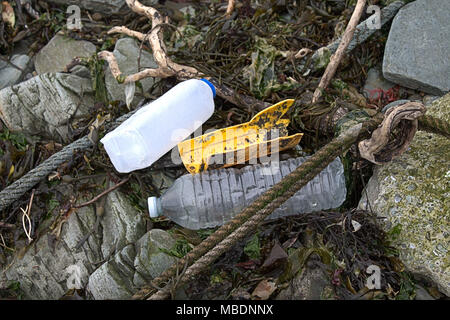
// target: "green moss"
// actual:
[[414, 192], [252, 248], [179, 250]]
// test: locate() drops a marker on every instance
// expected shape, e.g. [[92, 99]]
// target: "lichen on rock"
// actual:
[[413, 191]]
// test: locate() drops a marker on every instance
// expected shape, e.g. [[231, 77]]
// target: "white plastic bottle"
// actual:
[[160, 125]]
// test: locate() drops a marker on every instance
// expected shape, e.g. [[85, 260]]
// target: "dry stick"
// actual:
[[166, 67], [337, 57], [3, 244], [6, 225], [230, 8], [26, 213], [103, 194]]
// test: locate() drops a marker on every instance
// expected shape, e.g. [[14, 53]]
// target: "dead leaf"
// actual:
[[240, 294], [11, 171], [264, 289], [290, 242], [349, 286], [8, 14], [248, 265], [391, 292], [397, 264], [21, 35], [277, 255], [130, 89], [356, 225], [95, 127], [352, 95], [72, 294]]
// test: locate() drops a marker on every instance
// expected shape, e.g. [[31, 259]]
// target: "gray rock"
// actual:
[[311, 283], [126, 52], [113, 279], [81, 71], [417, 52], [117, 231], [362, 33], [60, 51], [42, 106], [150, 261], [131, 268], [395, 103], [422, 294], [413, 191], [47, 273], [10, 75], [103, 6], [374, 82], [428, 100]]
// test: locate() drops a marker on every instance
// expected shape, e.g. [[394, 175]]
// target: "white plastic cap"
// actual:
[[153, 207]]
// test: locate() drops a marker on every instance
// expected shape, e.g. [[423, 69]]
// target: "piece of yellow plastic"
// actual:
[[264, 134]]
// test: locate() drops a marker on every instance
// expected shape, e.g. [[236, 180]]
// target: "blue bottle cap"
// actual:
[[211, 86]]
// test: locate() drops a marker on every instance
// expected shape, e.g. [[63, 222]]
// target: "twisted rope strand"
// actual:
[[15, 190]]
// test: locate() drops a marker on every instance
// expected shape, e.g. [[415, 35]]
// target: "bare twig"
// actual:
[[230, 8], [6, 225], [27, 5], [103, 193], [26, 214], [166, 67], [99, 211], [19, 13], [337, 57], [302, 53], [3, 244]]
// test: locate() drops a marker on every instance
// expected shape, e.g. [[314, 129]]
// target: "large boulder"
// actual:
[[412, 193], [133, 267], [417, 52], [60, 51], [116, 259], [43, 106]]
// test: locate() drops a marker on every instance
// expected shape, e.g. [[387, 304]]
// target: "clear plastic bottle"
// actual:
[[213, 197], [160, 125]]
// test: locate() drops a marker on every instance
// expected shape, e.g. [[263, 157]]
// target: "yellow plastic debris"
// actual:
[[265, 134]]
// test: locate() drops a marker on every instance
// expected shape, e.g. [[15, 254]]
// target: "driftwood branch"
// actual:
[[230, 8], [337, 57], [104, 193], [6, 225], [166, 67], [393, 137]]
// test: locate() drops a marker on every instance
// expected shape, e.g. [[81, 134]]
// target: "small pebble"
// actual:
[[97, 16]]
